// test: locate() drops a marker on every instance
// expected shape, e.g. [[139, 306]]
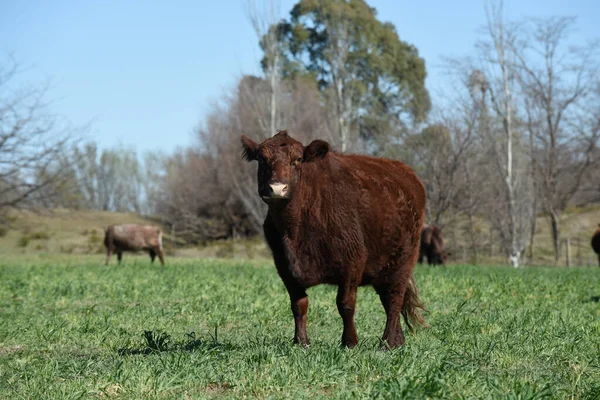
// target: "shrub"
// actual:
[[69, 249], [39, 236], [23, 241]]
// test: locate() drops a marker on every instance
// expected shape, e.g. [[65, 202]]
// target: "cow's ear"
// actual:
[[316, 150], [250, 148]]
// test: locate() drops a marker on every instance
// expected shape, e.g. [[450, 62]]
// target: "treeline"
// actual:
[[513, 133]]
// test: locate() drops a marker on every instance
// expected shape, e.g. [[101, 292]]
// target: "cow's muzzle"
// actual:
[[274, 190]]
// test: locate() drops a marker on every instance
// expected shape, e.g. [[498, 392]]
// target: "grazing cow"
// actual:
[[432, 246], [596, 243], [346, 220], [131, 237]]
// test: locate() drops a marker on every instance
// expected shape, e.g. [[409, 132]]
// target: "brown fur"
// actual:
[[346, 220], [130, 237], [596, 243], [432, 246]]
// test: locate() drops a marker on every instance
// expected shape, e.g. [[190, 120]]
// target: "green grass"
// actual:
[[73, 328]]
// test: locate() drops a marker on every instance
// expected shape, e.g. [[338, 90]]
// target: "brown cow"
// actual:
[[131, 237], [432, 246], [346, 220], [596, 243]]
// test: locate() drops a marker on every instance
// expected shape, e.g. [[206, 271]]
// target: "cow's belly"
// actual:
[[128, 246], [329, 260]]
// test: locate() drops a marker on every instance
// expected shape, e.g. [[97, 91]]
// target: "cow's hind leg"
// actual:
[[152, 255], [346, 304], [392, 298], [119, 256], [161, 256]]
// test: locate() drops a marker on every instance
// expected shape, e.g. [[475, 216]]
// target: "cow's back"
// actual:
[[358, 206], [135, 237]]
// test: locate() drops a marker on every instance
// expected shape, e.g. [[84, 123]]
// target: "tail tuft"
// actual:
[[413, 307]]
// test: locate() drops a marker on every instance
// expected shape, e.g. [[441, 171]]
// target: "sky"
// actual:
[[144, 74]]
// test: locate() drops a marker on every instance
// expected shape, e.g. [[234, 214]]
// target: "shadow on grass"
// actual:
[[594, 299], [158, 342]]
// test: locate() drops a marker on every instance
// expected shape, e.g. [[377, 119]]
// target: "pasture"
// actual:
[[72, 328]]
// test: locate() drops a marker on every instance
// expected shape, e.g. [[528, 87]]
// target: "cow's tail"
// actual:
[[413, 307], [160, 242]]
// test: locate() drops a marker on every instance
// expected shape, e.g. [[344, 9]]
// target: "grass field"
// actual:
[[73, 328]]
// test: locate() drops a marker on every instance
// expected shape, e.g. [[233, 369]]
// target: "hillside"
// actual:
[[81, 232], [61, 231], [577, 224]]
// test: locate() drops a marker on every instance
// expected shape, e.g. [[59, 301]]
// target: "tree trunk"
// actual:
[[473, 240], [273, 84], [533, 227], [555, 228]]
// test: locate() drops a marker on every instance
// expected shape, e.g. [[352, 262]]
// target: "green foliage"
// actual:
[[3, 231], [333, 39], [40, 235], [23, 241], [27, 237], [205, 328]]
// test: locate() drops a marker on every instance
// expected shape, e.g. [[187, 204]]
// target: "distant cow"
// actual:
[[596, 243], [432, 246], [346, 220], [130, 237]]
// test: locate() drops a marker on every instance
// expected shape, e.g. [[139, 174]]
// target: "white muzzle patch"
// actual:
[[279, 190]]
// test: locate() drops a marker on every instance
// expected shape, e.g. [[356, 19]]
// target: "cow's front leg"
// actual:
[[346, 304], [299, 303], [108, 254]]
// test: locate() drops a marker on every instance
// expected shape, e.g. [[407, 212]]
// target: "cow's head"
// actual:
[[440, 255], [443, 257], [280, 161]]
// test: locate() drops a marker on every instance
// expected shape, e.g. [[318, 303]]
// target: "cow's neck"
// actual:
[[286, 218]]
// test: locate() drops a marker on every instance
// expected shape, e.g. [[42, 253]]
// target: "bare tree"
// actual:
[[112, 179], [497, 79], [438, 153], [154, 170], [558, 82], [32, 140], [264, 20], [343, 90]]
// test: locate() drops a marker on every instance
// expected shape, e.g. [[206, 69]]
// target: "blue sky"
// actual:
[[145, 73]]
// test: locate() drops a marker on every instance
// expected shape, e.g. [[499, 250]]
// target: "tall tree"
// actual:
[[32, 140], [492, 85], [113, 179], [558, 83], [369, 76], [263, 19]]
